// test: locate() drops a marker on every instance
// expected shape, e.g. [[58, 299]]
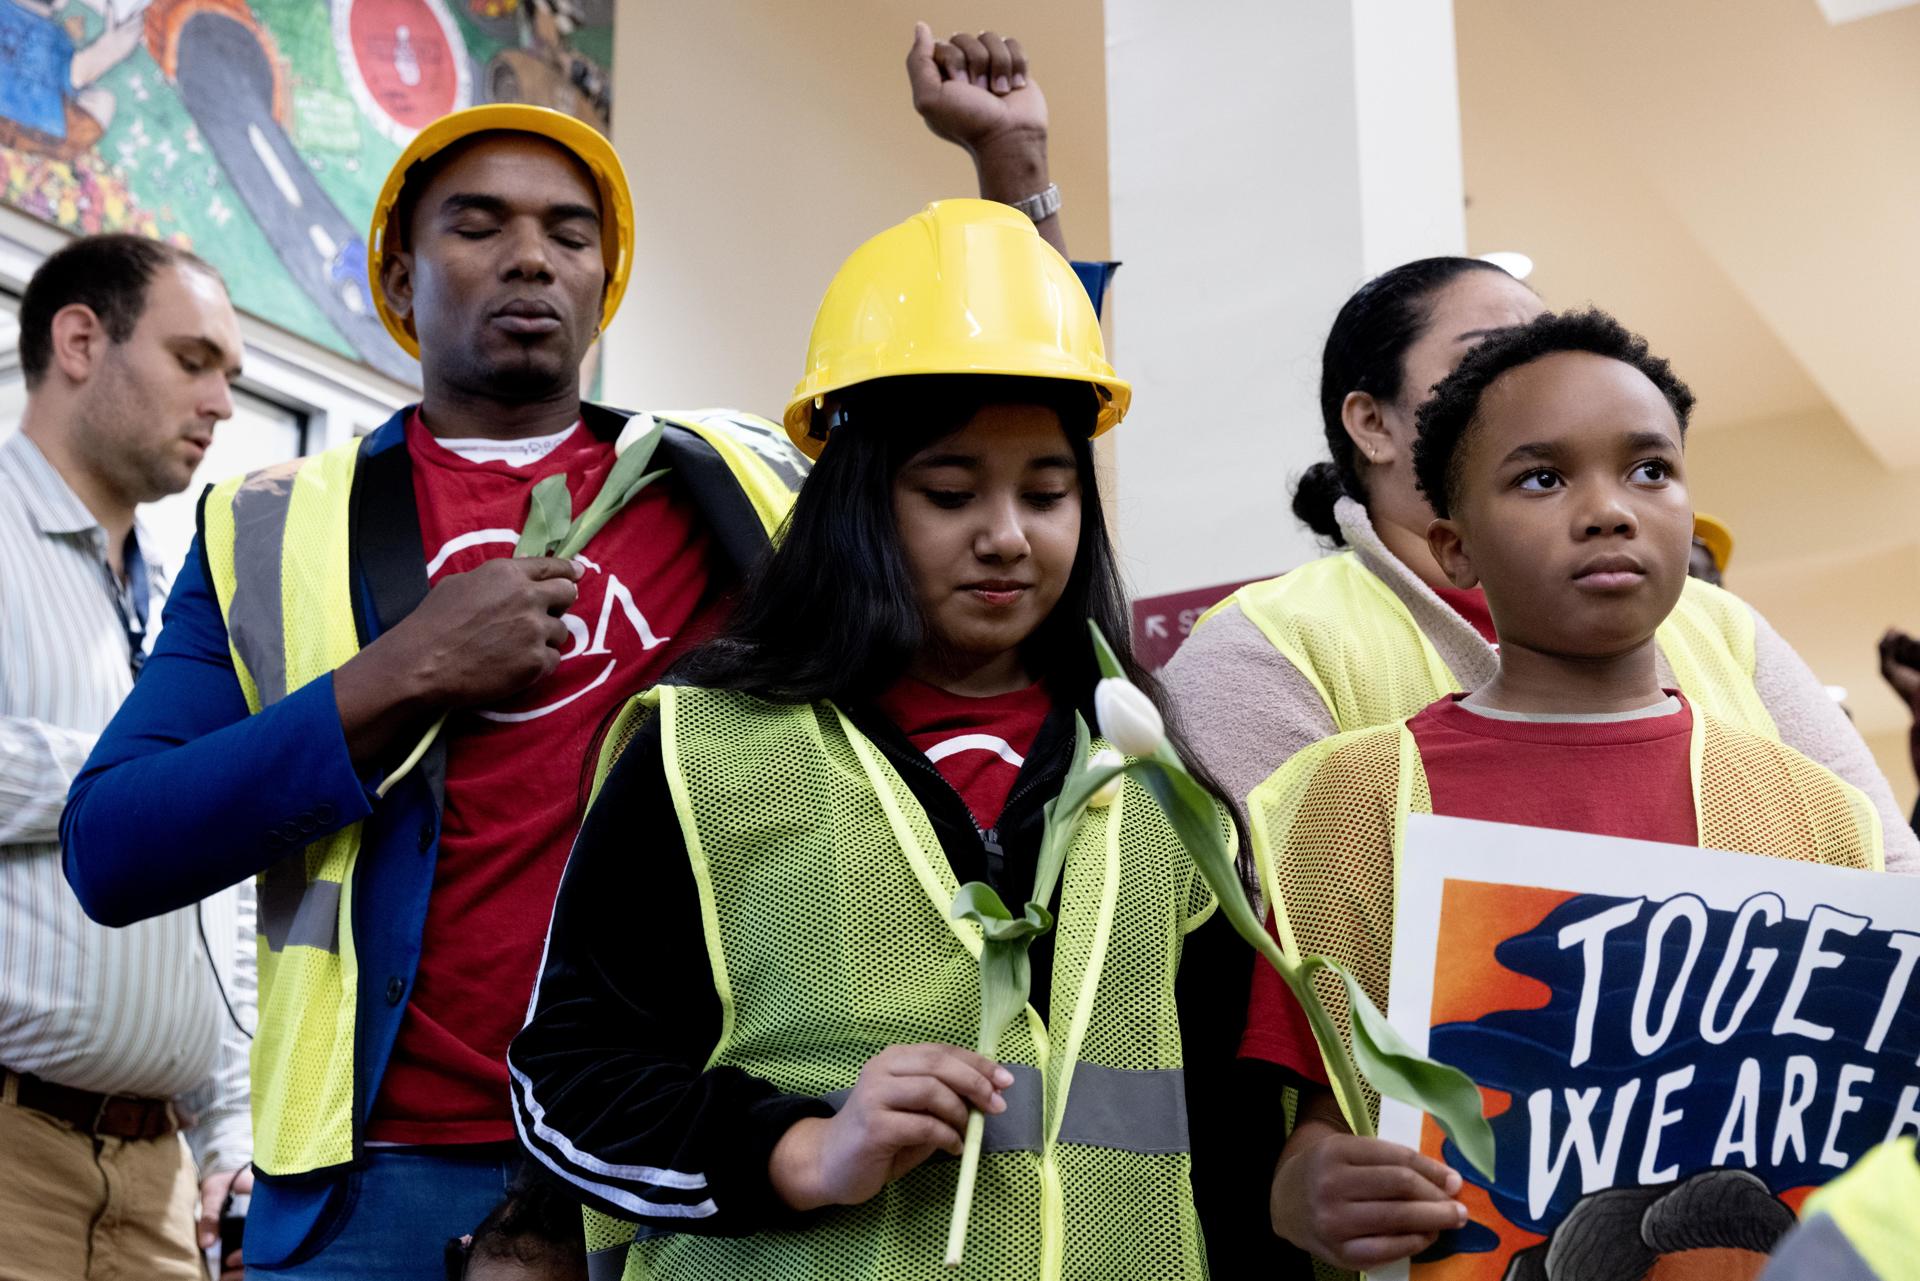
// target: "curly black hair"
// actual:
[[538, 1223], [1445, 419]]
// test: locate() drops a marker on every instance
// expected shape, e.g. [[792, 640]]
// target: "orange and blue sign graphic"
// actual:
[[1667, 1073]]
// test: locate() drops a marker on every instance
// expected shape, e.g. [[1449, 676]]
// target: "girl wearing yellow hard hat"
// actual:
[[745, 1052]]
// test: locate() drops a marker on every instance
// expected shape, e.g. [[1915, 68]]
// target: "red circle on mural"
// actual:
[[405, 60]]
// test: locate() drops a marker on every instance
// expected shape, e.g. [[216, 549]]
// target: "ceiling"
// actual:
[[1740, 181]]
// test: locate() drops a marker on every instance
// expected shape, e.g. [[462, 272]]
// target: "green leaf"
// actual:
[[978, 903], [549, 512], [1380, 1054], [1103, 654], [1445, 1093], [1006, 971], [599, 513], [1190, 808], [1082, 745], [1063, 812], [626, 478], [1006, 979]]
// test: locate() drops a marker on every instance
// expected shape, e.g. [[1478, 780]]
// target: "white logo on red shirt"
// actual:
[[585, 642], [975, 743]]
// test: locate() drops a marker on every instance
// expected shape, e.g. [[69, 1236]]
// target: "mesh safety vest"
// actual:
[[1329, 826], [277, 552], [1348, 633], [825, 894]]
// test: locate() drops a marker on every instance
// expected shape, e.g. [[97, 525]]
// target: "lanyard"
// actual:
[[130, 602]]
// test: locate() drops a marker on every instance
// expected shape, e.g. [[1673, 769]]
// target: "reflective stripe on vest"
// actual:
[[1357, 643], [277, 552], [277, 545], [824, 894], [1328, 829], [256, 620], [1118, 1108]]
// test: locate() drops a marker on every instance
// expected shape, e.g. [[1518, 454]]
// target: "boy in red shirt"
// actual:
[[1553, 457]]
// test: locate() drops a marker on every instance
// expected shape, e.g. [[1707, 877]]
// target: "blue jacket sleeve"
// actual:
[[185, 793]]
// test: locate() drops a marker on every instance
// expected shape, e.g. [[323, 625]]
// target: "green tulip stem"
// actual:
[[413, 757], [1374, 1050], [550, 532], [1298, 976], [963, 1194], [1006, 973]]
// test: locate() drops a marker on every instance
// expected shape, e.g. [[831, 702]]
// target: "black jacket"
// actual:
[[608, 1080]]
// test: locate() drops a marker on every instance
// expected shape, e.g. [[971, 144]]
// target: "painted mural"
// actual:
[[257, 132]]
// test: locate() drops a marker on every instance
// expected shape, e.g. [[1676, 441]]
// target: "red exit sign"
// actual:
[[1161, 623]]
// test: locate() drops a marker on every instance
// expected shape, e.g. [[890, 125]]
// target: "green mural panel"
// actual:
[[258, 134]]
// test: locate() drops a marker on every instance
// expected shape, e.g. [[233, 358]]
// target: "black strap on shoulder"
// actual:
[[704, 475], [200, 542], [728, 513], [388, 560], [387, 563]]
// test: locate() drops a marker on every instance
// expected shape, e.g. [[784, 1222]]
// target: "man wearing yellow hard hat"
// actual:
[[343, 612]]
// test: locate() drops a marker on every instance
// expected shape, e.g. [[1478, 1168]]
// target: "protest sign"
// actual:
[[1676, 1045]]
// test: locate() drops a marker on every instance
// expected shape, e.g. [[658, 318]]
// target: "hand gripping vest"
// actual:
[[277, 551], [1329, 826], [1352, 637], [824, 893]]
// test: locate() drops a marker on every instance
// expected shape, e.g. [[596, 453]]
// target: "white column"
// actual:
[[1265, 157]]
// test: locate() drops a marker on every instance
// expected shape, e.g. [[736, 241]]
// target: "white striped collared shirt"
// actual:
[[138, 1010]]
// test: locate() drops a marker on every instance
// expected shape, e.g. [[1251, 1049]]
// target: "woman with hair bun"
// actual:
[[1374, 632]]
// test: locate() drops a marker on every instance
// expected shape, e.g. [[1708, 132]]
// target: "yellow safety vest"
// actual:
[[277, 551], [1328, 828], [1863, 1226], [824, 894], [1347, 633]]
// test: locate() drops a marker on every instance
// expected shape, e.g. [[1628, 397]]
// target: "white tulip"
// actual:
[[1109, 792], [1128, 719], [637, 426]]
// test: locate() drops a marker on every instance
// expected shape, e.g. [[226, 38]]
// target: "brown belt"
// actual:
[[112, 1116]]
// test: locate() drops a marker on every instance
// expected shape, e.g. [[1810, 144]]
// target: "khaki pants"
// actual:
[[76, 1207]]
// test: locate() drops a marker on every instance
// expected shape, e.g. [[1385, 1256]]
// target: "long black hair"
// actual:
[[1366, 351], [832, 613]]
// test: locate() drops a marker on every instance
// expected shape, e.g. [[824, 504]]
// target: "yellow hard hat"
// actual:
[[962, 287], [1717, 538], [587, 144]]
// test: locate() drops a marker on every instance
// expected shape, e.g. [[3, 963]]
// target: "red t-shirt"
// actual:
[[1614, 778], [977, 744], [515, 770], [1471, 604]]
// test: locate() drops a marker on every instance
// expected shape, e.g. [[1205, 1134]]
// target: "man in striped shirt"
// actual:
[[113, 1043]]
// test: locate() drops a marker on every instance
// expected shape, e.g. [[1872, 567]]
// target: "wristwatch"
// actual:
[[1042, 206]]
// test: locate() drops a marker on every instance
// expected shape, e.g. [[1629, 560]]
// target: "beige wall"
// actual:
[[1653, 188], [1828, 549], [766, 140]]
